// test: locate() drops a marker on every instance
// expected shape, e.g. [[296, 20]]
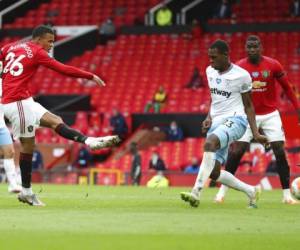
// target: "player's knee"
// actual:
[[27, 145], [58, 120], [8, 153], [27, 149], [211, 144]]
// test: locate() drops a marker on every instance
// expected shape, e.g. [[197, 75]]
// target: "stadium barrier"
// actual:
[[105, 176]]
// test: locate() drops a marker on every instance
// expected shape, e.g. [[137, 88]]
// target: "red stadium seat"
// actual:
[[89, 12]]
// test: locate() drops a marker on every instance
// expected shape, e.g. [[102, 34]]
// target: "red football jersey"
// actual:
[[20, 62], [264, 76]]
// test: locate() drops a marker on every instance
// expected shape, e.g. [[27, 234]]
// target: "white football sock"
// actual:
[[27, 191], [230, 180], [287, 193], [207, 166], [222, 191], [10, 171]]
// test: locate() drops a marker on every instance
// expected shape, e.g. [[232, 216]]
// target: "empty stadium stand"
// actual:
[[89, 12]]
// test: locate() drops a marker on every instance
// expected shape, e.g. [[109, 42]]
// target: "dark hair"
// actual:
[[221, 46], [42, 30], [253, 38]]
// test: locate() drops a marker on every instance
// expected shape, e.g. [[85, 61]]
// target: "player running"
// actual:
[[20, 63], [231, 105], [265, 71]]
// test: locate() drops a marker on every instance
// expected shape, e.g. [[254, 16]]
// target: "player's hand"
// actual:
[[206, 124], [99, 81], [261, 139]]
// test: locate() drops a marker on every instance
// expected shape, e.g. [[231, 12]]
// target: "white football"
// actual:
[[295, 188]]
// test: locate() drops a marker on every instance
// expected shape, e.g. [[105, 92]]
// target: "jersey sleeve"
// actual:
[[287, 88], [245, 83], [42, 58]]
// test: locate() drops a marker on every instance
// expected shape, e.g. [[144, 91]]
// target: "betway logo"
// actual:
[[220, 92]]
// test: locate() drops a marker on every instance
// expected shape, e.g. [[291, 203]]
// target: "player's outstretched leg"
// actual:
[[230, 180], [234, 157], [283, 171], [93, 142], [55, 122]]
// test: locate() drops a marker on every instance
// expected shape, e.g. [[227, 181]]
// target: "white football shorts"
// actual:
[[25, 116], [270, 124]]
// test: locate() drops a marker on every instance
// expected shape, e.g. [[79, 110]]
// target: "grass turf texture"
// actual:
[[131, 218]]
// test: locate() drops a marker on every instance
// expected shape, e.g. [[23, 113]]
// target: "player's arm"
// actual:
[[206, 124], [249, 110], [282, 79], [44, 59], [286, 86], [1, 62]]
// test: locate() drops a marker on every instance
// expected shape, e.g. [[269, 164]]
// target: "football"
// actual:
[[295, 188]]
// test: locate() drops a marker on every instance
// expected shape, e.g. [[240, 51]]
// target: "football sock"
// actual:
[[287, 193], [222, 191], [283, 170], [69, 133], [27, 191], [26, 168], [10, 171], [230, 180], [207, 166]]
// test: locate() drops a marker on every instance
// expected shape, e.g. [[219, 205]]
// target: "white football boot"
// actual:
[[102, 142]]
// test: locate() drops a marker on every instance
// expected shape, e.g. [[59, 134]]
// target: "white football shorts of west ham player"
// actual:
[[270, 124], [25, 116]]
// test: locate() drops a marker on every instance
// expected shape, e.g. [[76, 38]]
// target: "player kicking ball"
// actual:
[[265, 72], [20, 62], [231, 110]]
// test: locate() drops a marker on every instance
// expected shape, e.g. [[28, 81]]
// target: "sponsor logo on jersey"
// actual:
[[220, 92], [258, 84], [265, 73], [255, 74]]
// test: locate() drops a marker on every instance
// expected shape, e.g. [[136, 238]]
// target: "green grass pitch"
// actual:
[[132, 218]]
